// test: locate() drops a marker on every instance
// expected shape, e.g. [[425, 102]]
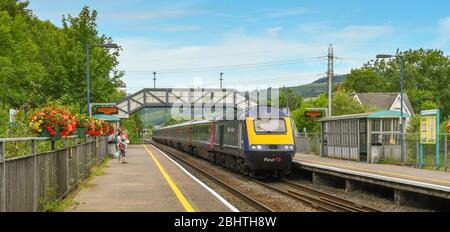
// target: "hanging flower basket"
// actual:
[[52, 122], [81, 132], [52, 134], [94, 127]]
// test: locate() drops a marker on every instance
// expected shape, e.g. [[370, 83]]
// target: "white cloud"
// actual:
[[444, 31], [274, 31], [278, 13], [313, 27], [142, 15], [353, 34], [238, 47]]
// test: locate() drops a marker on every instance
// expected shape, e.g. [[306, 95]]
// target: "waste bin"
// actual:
[[376, 152]]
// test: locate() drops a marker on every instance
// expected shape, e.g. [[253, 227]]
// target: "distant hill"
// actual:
[[317, 87]]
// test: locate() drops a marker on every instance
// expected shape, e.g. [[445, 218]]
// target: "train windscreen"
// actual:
[[263, 126]]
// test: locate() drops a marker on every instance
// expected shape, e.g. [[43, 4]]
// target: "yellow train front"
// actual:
[[261, 142]]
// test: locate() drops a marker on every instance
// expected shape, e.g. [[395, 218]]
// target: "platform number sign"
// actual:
[[313, 114], [429, 133], [108, 110]]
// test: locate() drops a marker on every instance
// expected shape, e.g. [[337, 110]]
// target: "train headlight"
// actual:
[[259, 147], [291, 147], [286, 147], [253, 147]]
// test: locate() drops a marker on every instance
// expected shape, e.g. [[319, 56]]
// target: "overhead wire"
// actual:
[[265, 81], [230, 67]]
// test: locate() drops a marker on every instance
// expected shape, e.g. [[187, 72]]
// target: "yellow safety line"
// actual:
[[174, 187], [376, 171]]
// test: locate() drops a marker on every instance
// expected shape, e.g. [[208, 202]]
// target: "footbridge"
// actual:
[[191, 99]]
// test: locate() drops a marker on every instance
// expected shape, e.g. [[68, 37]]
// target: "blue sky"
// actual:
[[177, 39]]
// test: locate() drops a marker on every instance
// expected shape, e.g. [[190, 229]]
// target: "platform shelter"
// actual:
[[366, 137]]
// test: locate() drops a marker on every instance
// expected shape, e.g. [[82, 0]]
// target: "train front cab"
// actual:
[[268, 144]]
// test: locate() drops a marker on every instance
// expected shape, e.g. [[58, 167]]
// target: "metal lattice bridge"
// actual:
[[189, 100]]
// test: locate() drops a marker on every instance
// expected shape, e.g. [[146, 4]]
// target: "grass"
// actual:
[[50, 203]]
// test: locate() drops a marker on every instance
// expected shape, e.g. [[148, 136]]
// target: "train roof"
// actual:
[[186, 123], [257, 112]]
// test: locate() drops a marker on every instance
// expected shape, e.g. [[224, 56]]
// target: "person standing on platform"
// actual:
[[122, 146]]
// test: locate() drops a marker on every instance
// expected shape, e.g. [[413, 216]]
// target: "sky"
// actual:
[[255, 43]]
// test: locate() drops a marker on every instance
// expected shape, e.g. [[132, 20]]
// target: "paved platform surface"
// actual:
[[140, 185], [413, 174]]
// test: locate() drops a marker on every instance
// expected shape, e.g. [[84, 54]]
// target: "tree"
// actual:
[[289, 98], [364, 80], [342, 104], [133, 125], [426, 78], [173, 121], [41, 62]]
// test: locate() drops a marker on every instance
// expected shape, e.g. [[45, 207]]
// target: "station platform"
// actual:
[[429, 182], [150, 182]]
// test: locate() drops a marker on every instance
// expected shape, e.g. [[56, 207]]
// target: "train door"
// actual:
[[221, 135], [211, 135], [189, 132], [240, 135]]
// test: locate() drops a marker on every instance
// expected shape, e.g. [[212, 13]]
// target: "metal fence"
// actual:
[[389, 149], [386, 148], [308, 143], [27, 182]]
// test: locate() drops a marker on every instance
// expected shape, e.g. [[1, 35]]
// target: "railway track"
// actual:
[[353, 206], [255, 203], [317, 199], [314, 198]]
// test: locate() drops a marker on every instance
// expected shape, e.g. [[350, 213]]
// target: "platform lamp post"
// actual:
[[154, 80], [88, 46], [221, 79], [402, 64]]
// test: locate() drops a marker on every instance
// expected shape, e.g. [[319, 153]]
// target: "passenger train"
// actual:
[[260, 141]]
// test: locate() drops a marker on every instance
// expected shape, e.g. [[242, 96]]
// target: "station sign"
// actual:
[[428, 129], [429, 134], [108, 110], [428, 112], [313, 114]]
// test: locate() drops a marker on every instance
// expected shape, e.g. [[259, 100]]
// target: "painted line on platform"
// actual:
[[381, 177], [220, 198], [174, 187], [378, 171]]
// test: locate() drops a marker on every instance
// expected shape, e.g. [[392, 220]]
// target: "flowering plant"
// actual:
[[82, 120], [107, 129], [94, 127], [57, 121]]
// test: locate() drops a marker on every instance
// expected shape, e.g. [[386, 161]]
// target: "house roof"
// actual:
[[383, 101]]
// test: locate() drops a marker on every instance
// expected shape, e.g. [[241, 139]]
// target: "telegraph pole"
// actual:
[[154, 80], [330, 77], [221, 79]]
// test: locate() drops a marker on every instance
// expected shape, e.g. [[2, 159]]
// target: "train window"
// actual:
[[231, 136], [269, 126]]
